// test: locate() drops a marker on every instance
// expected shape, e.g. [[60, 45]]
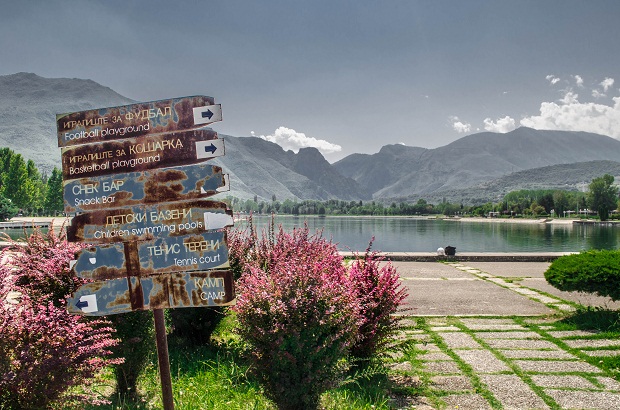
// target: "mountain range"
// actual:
[[476, 168]]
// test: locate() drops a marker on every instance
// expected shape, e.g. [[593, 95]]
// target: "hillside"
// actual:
[[475, 159], [28, 108], [570, 177]]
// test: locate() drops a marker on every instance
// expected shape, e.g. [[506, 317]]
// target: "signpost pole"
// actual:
[[164, 360]]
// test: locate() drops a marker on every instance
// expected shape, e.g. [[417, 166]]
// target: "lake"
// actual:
[[402, 234], [394, 234]]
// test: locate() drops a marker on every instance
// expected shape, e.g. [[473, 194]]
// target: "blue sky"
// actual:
[[345, 76]]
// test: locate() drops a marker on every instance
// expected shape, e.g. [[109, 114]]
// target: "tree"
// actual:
[[7, 209], [53, 197], [17, 186], [603, 196]]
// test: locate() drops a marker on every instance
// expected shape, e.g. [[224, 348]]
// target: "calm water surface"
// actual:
[[426, 235]]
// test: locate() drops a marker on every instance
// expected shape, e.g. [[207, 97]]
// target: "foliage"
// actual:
[[53, 197], [136, 331], [592, 271], [44, 351], [380, 294], [7, 209], [603, 196], [299, 315], [196, 325]]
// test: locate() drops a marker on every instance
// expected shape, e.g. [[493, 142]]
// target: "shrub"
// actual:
[[196, 325], [298, 313], [592, 271], [380, 293], [44, 351], [136, 330]]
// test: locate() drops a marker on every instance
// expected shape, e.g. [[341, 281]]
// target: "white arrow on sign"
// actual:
[[217, 221], [88, 303], [210, 148], [207, 114]]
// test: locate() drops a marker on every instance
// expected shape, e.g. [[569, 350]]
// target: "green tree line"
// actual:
[[23, 189], [601, 198]]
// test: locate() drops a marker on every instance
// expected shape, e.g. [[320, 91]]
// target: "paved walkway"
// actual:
[[487, 336]]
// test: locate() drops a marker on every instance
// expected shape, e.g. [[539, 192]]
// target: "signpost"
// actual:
[[140, 154], [146, 258], [163, 291], [139, 223], [147, 187], [128, 169], [127, 121]]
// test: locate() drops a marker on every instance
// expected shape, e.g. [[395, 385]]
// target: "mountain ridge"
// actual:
[[466, 167]]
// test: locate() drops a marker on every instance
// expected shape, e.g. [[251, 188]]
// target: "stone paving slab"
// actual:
[[512, 392], [451, 383], [466, 401], [548, 366], [482, 361], [609, 383], [573, 399], [579, 343], [476, 327], [521, 344], [508, 335], [435, 356], [537, 354], [601, 353], [570, 382], [442, 367], [560, 334], [456, 340]]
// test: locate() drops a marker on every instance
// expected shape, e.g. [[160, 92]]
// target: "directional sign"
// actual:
[[146, 258], [140, 154], [139, 223], [147, 187], [172, 290], [127, 121]]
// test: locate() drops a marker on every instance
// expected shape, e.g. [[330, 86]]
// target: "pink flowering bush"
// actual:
[[297, 312], [380, 294], [44, 351]]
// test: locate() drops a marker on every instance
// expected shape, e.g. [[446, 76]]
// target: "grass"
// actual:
[[216, 376]]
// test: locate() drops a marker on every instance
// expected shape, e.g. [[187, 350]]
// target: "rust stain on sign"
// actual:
[[173, 290], [178, 254], [139, 223], [140, 154], [127, 121], [147, 187]]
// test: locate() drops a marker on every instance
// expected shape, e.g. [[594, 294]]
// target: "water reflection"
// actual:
[[426, 235]]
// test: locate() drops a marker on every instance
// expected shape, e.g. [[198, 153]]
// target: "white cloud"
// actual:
[[598, 94], [552, 79], [459, 126], [289, 139], [502, 125], [607, 83], [568, 114], [578, 80]]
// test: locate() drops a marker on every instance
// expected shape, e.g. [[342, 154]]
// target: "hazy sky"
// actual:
[[347, 76]]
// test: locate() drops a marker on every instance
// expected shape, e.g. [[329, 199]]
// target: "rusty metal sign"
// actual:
[[127, 121], [141, 154], [147, 187], [200, 252], [143, 222], [172, 290]]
